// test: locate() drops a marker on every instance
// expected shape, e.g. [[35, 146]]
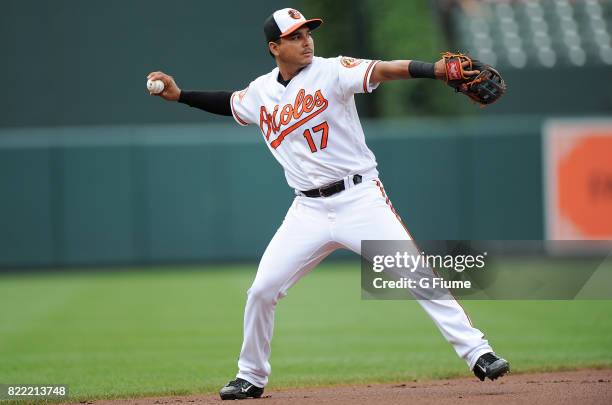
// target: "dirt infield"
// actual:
[[568, 387]]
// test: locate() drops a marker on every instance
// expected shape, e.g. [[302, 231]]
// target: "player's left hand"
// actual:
[[440, 69], [479, 81]]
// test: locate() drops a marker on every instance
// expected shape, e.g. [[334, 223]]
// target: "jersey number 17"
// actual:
[[308, 135]]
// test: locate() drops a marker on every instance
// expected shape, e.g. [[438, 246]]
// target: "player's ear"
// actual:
[[273, 48]]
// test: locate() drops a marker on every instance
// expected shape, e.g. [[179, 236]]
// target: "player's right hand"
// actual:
[[171, 90]]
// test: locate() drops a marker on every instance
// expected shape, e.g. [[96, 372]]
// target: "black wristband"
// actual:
[[418, 69]]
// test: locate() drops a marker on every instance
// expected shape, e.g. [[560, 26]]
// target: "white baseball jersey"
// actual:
[[311, 126]]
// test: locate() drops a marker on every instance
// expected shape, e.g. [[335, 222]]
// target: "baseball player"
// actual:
[[305, 111]]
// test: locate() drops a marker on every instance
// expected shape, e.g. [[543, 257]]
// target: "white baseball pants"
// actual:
[[311, 230]]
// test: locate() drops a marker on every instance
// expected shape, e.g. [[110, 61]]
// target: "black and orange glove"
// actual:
[[484, 88]]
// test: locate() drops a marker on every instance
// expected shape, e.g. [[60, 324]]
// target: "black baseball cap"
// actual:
[[285, 21]]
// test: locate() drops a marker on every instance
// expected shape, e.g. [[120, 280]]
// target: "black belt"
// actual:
[[330, 189]]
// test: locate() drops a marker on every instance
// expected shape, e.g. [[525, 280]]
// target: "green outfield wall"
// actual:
[[74, 196]]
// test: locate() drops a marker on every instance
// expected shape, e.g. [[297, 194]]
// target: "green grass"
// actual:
[[179, 330]]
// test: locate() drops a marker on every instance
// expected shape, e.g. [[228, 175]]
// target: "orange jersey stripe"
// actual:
[[243, 122], [382, 191], [367, 75]]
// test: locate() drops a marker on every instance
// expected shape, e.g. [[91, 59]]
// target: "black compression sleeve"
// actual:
[[216, 102]]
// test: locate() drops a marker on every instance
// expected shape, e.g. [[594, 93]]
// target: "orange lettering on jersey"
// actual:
[[319, 99], [308, 103], [275, 127], [286, 114], [299, 105], [303, 104]]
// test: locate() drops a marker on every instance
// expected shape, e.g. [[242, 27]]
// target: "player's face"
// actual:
[[297, 48]]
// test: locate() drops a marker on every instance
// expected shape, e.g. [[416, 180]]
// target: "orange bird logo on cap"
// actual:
[[294, 14]]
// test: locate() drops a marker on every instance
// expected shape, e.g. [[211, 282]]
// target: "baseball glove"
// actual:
[[485, 88]]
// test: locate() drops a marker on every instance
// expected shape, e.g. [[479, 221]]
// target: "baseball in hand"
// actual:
[[155, 86]]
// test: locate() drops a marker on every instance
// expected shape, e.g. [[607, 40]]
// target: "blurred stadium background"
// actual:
[[95, 174], [93, 171]]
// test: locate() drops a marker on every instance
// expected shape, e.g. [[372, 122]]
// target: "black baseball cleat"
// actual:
[[240, 389], [490, 366]]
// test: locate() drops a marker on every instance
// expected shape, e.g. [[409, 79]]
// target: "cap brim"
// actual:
[[312, 24]]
